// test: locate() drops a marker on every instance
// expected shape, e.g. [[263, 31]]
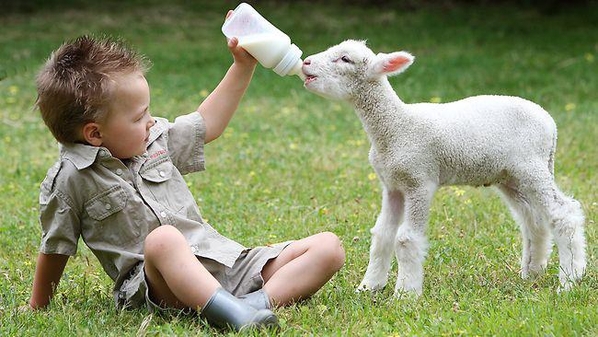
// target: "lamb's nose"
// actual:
[[307, 62]]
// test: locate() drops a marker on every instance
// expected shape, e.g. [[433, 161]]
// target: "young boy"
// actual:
[[118, 185]]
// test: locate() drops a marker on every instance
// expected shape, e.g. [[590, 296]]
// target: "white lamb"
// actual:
[[503, 141]]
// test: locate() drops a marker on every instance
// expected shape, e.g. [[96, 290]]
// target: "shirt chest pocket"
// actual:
[[106, 203], [162, 183], [114, 219], [158, 172]]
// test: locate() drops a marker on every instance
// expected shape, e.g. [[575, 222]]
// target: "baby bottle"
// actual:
[[269, 45]]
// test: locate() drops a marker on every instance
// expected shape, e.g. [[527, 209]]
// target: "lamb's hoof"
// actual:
[[565, 286], [412, 293], [532, 274], [364, 286], [406, 295], [569, 280]]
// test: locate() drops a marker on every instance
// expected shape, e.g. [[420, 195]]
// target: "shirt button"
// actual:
[[162, 174], [108, 206], [119, 171], [163, 214]]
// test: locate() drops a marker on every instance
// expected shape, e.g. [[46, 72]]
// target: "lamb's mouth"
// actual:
[[309, 78]]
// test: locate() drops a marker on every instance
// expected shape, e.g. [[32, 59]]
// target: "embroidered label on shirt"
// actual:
[[158, 153]]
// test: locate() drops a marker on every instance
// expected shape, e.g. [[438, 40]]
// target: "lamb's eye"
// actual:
[[346, 59]]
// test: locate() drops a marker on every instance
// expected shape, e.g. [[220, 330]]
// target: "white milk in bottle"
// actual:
[[270, 46]]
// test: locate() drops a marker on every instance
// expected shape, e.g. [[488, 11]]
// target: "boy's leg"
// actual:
[[302, 268], [177, 279]]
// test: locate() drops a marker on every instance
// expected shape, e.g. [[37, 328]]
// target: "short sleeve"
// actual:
[[60, 223], [186, 137]]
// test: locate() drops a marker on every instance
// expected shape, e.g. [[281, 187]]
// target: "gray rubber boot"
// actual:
[[225, 310], [257, 299]]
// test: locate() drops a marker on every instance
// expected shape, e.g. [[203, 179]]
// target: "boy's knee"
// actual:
[[161, 239], [332, 248]]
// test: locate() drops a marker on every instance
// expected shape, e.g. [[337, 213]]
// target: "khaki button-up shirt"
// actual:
[[113, 205]]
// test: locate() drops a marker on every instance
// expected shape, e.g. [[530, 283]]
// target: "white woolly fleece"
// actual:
[[504, 141]]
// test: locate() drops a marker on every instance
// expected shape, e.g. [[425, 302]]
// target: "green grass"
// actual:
[[292, 163]]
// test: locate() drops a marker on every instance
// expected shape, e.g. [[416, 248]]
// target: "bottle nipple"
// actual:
[[290, 63], [298, 70]]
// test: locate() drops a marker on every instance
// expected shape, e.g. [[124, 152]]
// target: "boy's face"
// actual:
[[126, 129]]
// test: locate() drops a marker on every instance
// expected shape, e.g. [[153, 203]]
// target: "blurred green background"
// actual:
[[292, 163]]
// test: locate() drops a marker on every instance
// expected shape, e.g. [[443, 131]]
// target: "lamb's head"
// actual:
[[341, 71]]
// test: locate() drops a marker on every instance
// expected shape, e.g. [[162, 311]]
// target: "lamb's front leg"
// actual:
[[383, 234], [411, 242]]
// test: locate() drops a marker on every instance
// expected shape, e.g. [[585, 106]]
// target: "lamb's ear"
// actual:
[[391, 64]]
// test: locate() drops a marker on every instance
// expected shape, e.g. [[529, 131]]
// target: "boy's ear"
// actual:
[[92, 134]]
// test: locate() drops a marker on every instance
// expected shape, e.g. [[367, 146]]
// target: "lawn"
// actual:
[[292, 163]]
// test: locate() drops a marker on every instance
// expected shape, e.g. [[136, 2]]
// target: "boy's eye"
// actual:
[[142, 116]]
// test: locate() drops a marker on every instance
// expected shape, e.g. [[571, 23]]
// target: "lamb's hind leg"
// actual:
[[411, 242], [383, 234], [567, 220], [536, 237], [564, 216]]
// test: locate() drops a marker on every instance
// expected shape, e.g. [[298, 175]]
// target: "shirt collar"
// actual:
[[158, 129], [82, 155]]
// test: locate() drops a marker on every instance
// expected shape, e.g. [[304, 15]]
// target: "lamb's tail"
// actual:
[[548, 131], [552, 154], [553, 132]]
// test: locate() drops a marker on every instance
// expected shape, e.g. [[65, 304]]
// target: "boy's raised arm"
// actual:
[[48, 272], [218, 108]]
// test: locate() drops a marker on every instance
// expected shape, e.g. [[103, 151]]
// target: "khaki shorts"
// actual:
[[244, 277]]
